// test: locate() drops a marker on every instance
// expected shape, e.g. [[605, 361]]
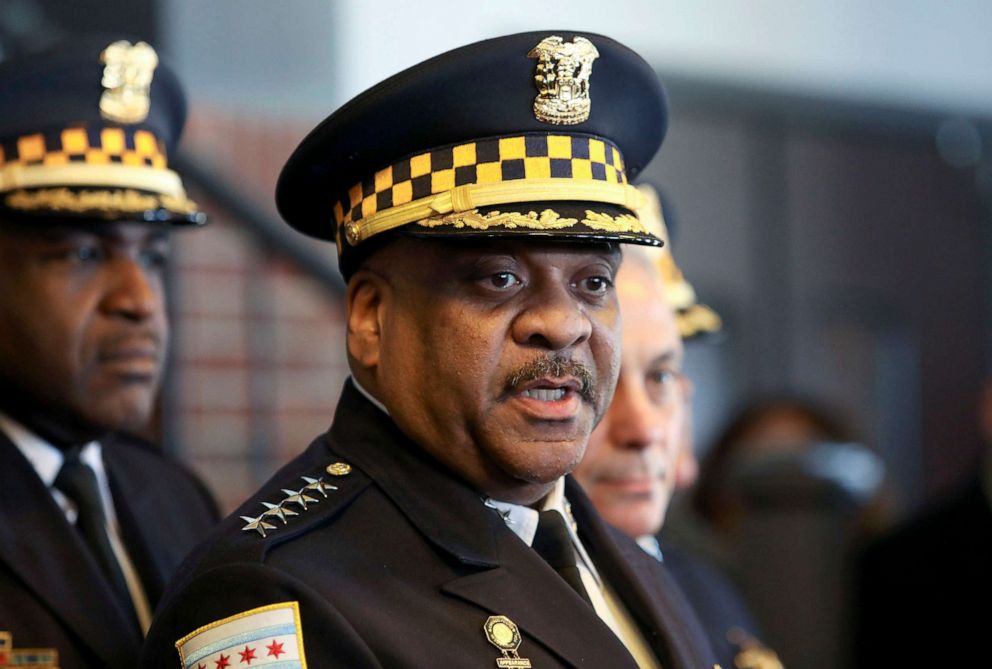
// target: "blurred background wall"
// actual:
[[827, 166]]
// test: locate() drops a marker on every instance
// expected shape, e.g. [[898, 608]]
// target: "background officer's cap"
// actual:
[[536, 134], [694, 319], [86, 128]]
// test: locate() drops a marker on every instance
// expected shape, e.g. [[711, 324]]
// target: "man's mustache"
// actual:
[[554, 367]]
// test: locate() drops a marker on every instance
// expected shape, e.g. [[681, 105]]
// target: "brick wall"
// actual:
[[258, 348]]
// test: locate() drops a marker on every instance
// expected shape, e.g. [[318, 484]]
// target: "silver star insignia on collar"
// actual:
[[256, 524], [317, 485], [298, 497], [276, 511], [282, 510], [504, 514]]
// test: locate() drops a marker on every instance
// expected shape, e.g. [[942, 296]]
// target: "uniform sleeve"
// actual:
[[252, 614]]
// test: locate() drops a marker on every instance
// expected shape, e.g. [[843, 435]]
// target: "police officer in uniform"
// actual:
[[477, 201], [92, 522], [641, 453]]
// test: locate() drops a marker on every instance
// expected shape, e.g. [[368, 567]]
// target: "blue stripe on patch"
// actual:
[[254, 635]]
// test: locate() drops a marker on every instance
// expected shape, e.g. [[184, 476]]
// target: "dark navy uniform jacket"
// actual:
[[924, 590], [52, 593], [402, 565], [721, 609]]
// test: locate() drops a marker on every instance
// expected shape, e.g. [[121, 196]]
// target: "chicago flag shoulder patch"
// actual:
[[269, 636]]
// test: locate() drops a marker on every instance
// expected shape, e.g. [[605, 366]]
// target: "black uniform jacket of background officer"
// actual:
[[402, 565], [52, 593], [730, 626], [925, 589]]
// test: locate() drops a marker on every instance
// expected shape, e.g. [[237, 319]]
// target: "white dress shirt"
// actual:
[[649, 543], [522, 521], [47, 461]]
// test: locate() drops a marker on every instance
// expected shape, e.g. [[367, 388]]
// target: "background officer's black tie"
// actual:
[[77, 481], [553, 543]]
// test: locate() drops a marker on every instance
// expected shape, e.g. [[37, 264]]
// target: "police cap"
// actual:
[[86, 128], [534, 134], [694, 319]]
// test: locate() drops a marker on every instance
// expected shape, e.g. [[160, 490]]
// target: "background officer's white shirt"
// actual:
[[47, 461], [522, 520]]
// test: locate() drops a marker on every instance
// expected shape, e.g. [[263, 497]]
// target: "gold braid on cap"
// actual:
[[121, 169], [447, 186]]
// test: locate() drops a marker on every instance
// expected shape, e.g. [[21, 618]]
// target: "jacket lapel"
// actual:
[[510, 579], [648, 592], [138, 514], [46, 553], [532, 595]]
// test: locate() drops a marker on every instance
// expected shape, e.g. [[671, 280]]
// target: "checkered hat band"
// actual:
[[486, 161], [87, 145]]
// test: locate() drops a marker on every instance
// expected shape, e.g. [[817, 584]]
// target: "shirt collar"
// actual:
[[522, 520], [649, 543], [379, 405], [45, 458]]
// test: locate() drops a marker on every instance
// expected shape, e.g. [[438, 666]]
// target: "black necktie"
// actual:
[[77, 481], [553, 543]]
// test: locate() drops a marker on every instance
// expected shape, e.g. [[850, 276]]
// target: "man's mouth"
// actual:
[[639, 481], [550, 379], [545, 394], [551, 388], [138, 358], [551, 399]]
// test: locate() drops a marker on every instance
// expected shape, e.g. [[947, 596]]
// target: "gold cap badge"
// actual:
[[562, 79], [503, 633], [127, 78]]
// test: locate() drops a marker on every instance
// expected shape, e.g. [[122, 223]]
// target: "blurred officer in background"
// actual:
[[477, 201], [642, 450], [92, 522]]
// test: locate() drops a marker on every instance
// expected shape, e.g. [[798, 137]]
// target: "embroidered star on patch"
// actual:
[[269, 636]]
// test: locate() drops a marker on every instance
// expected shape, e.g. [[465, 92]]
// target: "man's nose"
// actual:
[[132, 292], [635, 422], [555, 320]]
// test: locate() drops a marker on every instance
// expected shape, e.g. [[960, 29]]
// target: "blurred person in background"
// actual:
[[774, 424], [93, 522], [783, 499], [924, 589], [765, 430], [642, 450]]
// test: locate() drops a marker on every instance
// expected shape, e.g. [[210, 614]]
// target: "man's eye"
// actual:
[[664, 385], [155, 258], [596, 285], [504, 280], [86, 253], [662, 377]]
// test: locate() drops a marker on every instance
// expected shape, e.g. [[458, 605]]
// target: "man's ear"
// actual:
[[365, 297]]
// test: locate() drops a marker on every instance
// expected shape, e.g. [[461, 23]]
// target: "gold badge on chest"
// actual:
[[503, 633], [562, 79]]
